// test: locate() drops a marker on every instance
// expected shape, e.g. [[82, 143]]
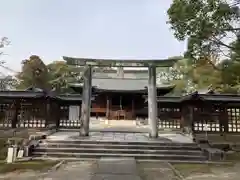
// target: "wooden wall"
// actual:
[[103, 107]]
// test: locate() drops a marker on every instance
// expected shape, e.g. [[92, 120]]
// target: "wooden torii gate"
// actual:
[[89, 64]]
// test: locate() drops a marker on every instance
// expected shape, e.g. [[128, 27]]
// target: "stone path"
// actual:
[[103, 169], [121, 136], [112, 169], [116, 169], [155, 171], [122, 169], [83, 170]]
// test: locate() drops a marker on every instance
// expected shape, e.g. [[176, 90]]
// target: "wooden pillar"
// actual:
[[133, 109], [86, 102], [110, 107], [16, 107], [187, 119], [223, 119], [48, 112], [152, 102], [107, 109], [57, 114]]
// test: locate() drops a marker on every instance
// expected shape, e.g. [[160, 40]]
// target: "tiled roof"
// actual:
[[122, 84], [20, 94], [201, 97]]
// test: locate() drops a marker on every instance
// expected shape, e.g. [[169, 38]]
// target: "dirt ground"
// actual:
[[146, 171], [209, 172]]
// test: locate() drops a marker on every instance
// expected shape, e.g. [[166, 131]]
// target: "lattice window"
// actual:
[[210, 127], [206, 120], [169, 118], [64, 119], [32, 115], [169, 124], [233, 119], [6, 115]]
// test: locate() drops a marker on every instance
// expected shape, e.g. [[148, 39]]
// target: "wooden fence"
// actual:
[[209, 112]]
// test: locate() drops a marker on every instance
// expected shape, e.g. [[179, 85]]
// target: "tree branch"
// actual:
[[217, 41], [231, 29]]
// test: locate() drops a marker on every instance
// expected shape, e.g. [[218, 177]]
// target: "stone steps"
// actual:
[[117, 155], [124, 142], [120, 146], [140, 150], [116, 151]]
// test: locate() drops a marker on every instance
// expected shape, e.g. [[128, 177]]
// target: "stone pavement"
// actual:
[[121, 136], [103, 169], [82, 170], [123, 169], [111, 169], [155, 171], [116, 169]]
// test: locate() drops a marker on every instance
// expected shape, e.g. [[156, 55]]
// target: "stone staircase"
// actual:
[[90, 149]]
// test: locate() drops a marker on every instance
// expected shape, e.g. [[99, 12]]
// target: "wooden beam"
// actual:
[[107, 110]]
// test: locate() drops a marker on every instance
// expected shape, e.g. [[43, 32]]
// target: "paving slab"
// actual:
[[115, 177], [81, 170], [116, 166], [155, 171], [111, 136], [116, 169]]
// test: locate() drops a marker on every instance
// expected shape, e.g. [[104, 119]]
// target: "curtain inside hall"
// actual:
[[74, 113]]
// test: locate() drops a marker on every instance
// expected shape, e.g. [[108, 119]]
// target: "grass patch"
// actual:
[[34, 165]]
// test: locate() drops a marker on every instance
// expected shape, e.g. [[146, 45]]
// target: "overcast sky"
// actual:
[[86, 28]]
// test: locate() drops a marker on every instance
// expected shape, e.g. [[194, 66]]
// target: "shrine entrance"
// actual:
[[121, 107], [151, 88]]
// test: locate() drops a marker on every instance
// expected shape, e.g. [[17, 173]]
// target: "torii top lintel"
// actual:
[[120, 62]]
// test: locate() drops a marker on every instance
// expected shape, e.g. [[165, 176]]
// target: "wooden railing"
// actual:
[[121, 114]]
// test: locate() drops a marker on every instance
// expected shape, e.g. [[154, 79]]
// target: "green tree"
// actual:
[[34, 73], [189, 76], [230, 76], [3, 43], [62, 75], [179, 75], [6, 82], [210, 26]]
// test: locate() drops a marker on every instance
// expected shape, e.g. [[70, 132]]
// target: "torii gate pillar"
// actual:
[[86, 102], [152, 102]]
